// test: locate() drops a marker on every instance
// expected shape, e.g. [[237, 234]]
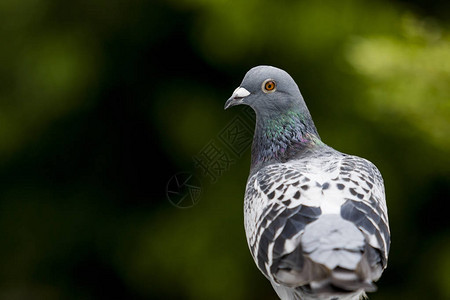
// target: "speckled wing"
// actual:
[[365, 203], [274, 214], [282, 199]]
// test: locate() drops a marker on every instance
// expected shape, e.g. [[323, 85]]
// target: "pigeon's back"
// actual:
[[317, 226]]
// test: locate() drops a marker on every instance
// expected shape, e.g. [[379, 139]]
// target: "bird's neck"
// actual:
[[282, 137]]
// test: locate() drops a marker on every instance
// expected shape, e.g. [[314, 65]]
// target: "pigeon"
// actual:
[[315, 219]]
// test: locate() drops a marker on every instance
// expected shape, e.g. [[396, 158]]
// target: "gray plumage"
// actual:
[[315, 219]]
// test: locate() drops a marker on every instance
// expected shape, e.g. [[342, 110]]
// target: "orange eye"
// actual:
[[269, 86]]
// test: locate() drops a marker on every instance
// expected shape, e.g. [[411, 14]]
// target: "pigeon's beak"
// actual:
[[237, 98]]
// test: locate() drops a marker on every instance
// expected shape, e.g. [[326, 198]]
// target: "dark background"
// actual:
[[102, 102]]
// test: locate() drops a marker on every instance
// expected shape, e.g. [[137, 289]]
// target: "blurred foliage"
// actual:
[[410, 78], [101, 103]]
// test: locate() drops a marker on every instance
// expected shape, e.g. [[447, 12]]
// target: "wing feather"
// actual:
[[282, 199]]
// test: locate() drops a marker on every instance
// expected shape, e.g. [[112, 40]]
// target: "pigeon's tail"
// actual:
[[333, 258]]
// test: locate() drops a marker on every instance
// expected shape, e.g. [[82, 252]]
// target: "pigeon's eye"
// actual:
[[269, 86]]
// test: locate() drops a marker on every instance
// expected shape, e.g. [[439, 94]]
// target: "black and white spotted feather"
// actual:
[[312, 222], [315, 219]]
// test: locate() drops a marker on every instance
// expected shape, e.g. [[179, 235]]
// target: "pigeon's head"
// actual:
[[268, 90]]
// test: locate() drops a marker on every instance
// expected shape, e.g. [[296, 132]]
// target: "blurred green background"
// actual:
[[102, 102]]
